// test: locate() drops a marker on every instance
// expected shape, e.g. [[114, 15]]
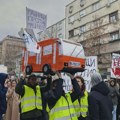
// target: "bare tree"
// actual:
[[93, 42]]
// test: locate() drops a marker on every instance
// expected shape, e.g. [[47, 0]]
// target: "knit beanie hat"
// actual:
[[95, 79]]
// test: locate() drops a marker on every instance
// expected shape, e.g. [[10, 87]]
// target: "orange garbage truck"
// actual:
[[55, 54]]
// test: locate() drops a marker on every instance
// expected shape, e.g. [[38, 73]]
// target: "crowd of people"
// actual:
[[43, 98]]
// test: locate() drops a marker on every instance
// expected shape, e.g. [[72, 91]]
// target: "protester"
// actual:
[[100, 104], [60, 105], [114, 93], [43, 82], [81, 104], [118, 105], [3, 104], [7, 83], [12, 112], [31, 98], [106, 81]]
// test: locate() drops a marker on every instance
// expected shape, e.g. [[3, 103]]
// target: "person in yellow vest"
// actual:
[[60, 104], [31, 98], [81, 104]]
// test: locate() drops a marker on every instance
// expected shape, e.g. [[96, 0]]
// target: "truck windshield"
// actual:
[[72, 49]]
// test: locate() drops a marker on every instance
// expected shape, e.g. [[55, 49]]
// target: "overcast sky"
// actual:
[[13, 13]]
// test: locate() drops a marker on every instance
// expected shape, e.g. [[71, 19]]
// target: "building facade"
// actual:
[[10, 47], [95, 24], [56, 30], [18, 60]]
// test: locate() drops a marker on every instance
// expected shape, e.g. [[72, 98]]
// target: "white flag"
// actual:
[[31, 44]]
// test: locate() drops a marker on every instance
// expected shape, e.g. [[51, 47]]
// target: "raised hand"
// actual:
[[70, 75]]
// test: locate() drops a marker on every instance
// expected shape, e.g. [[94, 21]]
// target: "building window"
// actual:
[[70, 9], [96, 6], [82, 28], [82, 2], [71, 19], [114, 35], [82, 13], [71, 33], [110, 1], [76, 31], [59, 27], [97, 23], [113, 17]]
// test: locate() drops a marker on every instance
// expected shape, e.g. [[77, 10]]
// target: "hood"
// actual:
[[101, 87], [95, 78], [3, 77]]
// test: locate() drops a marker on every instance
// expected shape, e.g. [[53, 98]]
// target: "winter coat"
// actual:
[[3, 104], [12, 112], [114, 93], [118, 106], [100, 104]]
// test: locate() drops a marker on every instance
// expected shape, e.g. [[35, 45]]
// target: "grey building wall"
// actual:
[[81, 17], [11, 46], [56, 30]]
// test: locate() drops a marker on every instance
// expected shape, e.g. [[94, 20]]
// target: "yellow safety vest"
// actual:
[[81, 107], [30, 101], [63, 109]]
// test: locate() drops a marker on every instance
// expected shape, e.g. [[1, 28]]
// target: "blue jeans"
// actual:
[[114, 112]]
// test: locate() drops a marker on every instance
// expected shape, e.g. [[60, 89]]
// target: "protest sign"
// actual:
[[91, 66], [115, 67], [35, 20]]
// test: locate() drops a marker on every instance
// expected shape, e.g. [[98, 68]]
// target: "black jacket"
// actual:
[[3, 90], [52, 96], [118, 106], [100, 104]]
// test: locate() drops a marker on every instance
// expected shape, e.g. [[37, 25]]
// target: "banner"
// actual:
[[91, 66], [35, 20], [115, 67]]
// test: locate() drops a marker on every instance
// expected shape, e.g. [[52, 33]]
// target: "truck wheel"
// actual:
[[28, 69], [46, 69]]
